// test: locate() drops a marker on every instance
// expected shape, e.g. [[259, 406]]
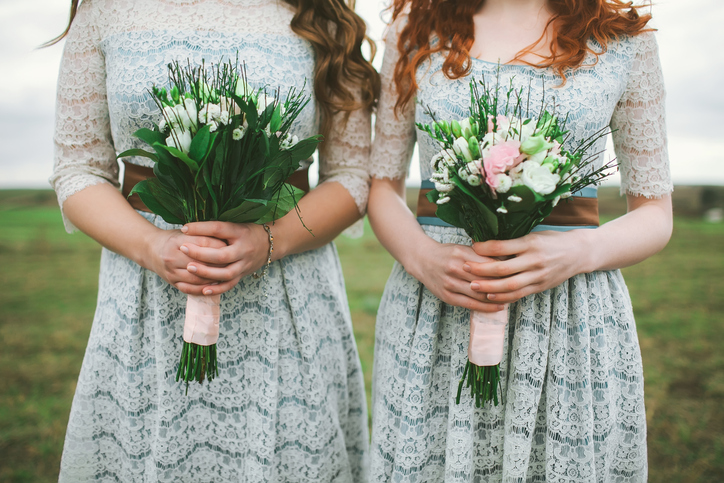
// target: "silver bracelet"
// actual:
[[265, 268]]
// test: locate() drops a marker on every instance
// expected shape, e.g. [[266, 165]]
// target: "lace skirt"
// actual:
[[288, 403], [572, 382]]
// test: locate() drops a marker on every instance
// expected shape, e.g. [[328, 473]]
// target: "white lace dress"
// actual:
[[572, 374], [288, 404]]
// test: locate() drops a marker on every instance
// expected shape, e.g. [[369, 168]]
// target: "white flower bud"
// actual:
[[180, 140]]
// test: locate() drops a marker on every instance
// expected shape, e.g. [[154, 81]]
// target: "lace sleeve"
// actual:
[[84, 152], [394, 132], [639, 125], [346, 153]]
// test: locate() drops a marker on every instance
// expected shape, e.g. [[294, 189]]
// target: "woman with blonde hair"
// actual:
[[572, 404], [288, 403]]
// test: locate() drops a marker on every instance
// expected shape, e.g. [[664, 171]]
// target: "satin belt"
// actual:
[[134, 174], [578, 211]]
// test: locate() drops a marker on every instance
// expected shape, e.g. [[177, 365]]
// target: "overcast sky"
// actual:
[[690, 38]]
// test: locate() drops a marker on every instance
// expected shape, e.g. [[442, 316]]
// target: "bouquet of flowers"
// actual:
[[222, 151], [499, 175]]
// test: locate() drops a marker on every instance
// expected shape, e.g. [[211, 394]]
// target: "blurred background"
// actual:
[[48, 279]]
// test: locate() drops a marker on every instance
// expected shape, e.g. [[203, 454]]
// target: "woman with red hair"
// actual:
[[572, 381]]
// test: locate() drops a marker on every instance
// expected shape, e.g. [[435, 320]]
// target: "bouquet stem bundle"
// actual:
[[500, 174], [222, 151]]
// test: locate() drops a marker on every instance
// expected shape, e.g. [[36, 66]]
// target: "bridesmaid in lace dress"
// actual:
[[572, 382], [288, 403]]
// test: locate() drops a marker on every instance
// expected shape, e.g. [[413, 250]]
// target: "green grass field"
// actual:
[[48, 286]]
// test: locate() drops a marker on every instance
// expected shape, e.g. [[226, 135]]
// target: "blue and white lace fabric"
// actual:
[[289, 403], [572, 374]]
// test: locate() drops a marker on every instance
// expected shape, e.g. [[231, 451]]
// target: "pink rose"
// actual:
[[500, 158]]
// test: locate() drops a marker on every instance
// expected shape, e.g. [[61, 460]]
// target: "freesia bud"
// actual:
[[456, 129], [460, 146], [474, 146], [535, 144]]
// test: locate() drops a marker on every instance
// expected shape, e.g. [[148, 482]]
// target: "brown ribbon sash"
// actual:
[[573, 211], [134, 174]]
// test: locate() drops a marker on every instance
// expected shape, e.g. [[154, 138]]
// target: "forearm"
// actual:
[[101, 212], [326, 211], [394, 224], [630, 239]]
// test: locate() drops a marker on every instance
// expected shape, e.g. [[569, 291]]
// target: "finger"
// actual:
[[184, 276], [220, 288], [507, 285], [215, 229], [219, 274], [501, 248], [460, 300], [190, 289], [498, 268], [205, 241], [211, 256]]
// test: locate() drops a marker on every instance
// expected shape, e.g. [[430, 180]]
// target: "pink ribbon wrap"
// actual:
[[487, 336], [202, 319]]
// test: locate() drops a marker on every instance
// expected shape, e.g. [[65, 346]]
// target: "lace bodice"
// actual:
[[623, 89], [116, 49]]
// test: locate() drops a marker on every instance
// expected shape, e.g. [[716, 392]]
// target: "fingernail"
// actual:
[[491, 296], [185, 249], [191, 268], [475, 286], [466, 267], [184, 229], [208, 291]]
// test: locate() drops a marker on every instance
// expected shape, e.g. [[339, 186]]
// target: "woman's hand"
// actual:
[[526, 265], [169, 262], [245, 251], [440, 268]]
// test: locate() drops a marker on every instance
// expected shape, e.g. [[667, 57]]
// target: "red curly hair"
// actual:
[[575, 23]]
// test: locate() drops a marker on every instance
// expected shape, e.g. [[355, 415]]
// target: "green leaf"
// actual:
[[276, 120], [193, 165], [247, 212], [528, 199], [138, 152], [200, 144], [159, 201], [284, 202], [150, 136]]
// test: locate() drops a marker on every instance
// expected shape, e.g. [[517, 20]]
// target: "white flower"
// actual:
[[213, 126], [289, 141], [238, 133], [224, 117], [209, 112], [180, 140], [538, 157], [443, 200], [162, 125], [180, 114], [474, 180], [192, 115], [539, 178], [504, 184], [460, 146], [263, 102], [444, 187], [502, 209], [515, 199]]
